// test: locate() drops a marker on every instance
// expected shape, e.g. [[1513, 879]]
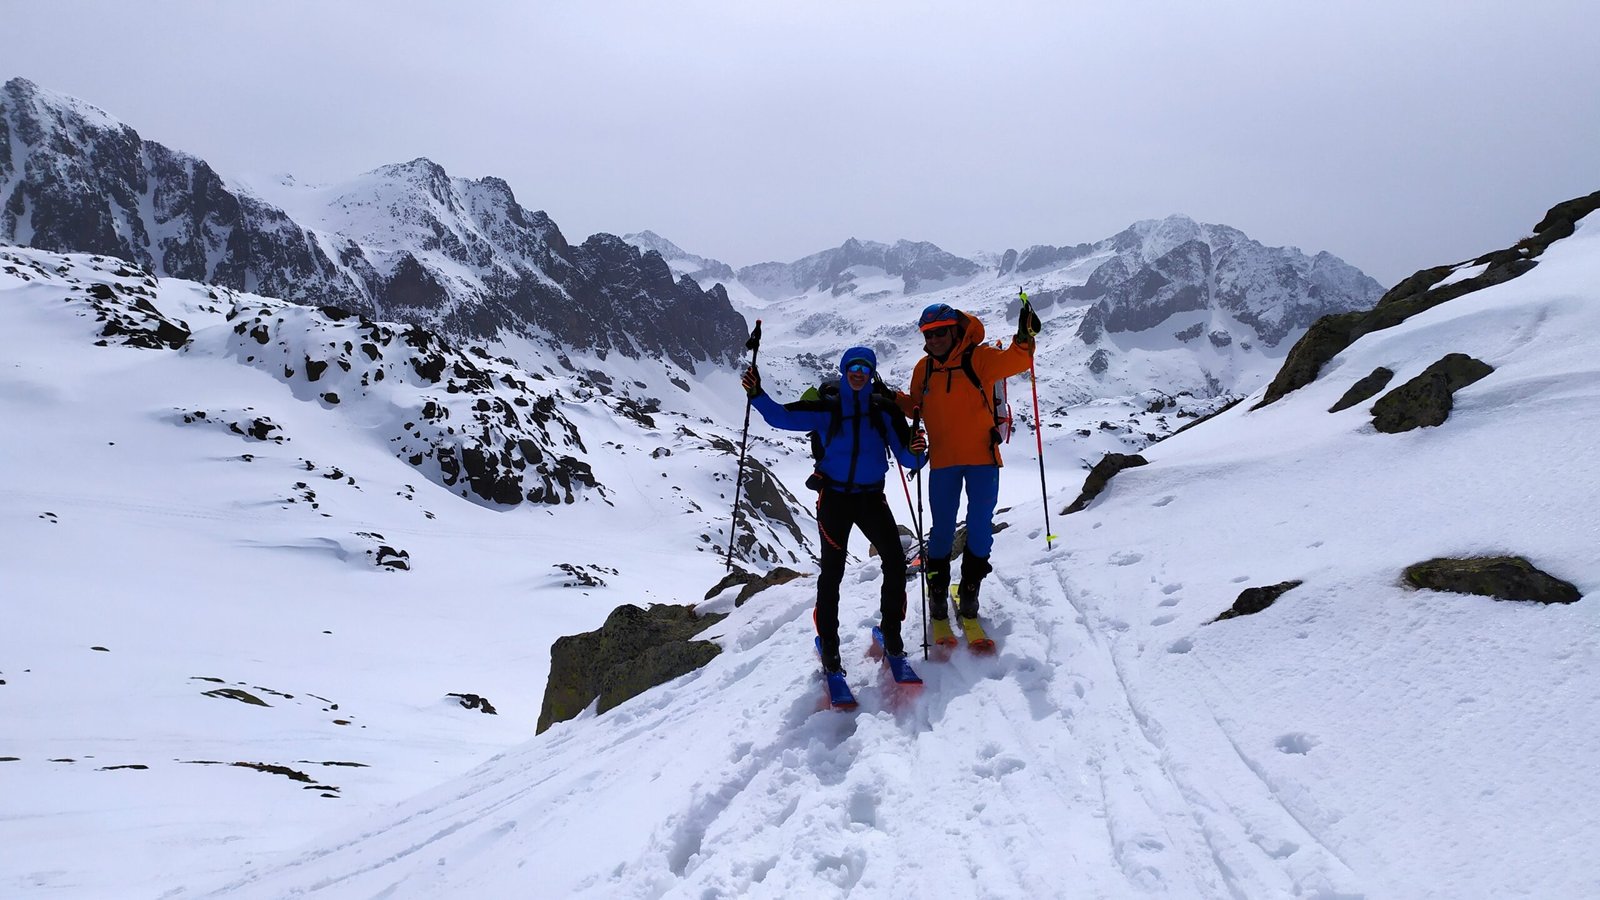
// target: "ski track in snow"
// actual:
[[1044, 750]]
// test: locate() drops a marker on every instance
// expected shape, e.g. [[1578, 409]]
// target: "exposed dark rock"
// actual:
[[1190, 333], [584, 575], [1100, 361], [777, 576], [635, 650], [1101, 475], [1007, 262], [1427, 399], [655, 666], [1093, 325], [1500, 577], [1255, 599], [737, 576], [765, 501], [275, 769], [1165, 267], [474, 701], [1364, 390], [243, 696], [1043, 256]]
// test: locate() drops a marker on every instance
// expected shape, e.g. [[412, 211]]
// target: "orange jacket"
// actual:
[[958, 415]]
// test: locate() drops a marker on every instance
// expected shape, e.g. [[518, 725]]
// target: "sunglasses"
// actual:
[[942, 331], [858, 368]]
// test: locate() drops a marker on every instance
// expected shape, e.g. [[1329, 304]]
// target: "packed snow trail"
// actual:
[[1005, 775]]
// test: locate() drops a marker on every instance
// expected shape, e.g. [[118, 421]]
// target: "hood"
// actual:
[[844, 380], [971, 334], [858, 353]]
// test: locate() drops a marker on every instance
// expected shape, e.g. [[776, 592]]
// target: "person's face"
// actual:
[[858, 374], [938, 341]]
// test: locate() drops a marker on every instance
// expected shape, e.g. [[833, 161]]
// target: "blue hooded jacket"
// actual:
[[854, 458]]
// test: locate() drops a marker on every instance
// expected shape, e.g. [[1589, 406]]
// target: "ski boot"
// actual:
[[973, 569]]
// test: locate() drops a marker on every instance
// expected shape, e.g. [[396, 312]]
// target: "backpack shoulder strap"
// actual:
[[967, 367]]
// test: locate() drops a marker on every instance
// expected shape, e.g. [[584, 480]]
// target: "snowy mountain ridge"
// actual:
[[405, 242]]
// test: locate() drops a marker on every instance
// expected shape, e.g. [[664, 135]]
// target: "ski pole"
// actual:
[[922, 550], [1038, 428], [754, 346]]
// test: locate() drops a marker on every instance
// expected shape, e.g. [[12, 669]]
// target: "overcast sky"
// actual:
[[1395, 134]]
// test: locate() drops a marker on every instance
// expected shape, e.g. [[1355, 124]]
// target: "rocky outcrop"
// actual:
[[1253, 600], [470, 422], [1500, 577], [1044, 256], [764, 505], [1426, 400], [1364, 389], [1424, 290], [779, 575], [1161, 268], [1101, 475], [636, 649]]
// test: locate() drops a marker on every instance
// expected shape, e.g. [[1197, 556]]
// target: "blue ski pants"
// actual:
[[944, 495]]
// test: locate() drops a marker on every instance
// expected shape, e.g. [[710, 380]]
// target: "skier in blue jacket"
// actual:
[[856, 427]]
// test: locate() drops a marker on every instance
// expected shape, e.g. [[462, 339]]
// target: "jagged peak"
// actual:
[[62, 106], [649, 240], [422, 166]]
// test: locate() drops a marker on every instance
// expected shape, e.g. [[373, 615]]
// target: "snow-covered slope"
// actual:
[[245, 561], [1357, 738]]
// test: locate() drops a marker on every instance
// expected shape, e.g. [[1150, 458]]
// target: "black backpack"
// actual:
[[881, 408]]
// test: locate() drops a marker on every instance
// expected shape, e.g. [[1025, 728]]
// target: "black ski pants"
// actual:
[[837, 511]]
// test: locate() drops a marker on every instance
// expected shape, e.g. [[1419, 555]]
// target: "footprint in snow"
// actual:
[[1125, 558], [1164, 500], [1296, 742]]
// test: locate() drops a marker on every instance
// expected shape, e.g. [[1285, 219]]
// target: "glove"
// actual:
[[919, 443], [1028, 323], [751, 380]]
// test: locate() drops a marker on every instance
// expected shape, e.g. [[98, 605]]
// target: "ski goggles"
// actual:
[[937, 316], [858, 367]]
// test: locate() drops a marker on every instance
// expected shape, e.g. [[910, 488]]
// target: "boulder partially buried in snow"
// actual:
[[1108, 466], [1500, 577], [1364, 390], [635, 650], [1427, 399], [1255, 599]]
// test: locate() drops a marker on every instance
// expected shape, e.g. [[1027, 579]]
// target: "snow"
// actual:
[[1357, 739]]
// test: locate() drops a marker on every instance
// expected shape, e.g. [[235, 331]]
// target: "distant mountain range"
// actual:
[[405, 243], [1132, 281]]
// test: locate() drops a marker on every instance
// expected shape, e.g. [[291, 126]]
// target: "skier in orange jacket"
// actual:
[[954, 387]]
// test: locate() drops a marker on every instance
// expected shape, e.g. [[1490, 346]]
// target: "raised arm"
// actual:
[[785, 419]]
